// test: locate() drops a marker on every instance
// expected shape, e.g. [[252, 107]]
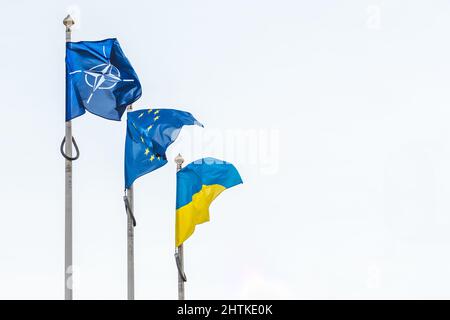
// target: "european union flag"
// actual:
[[149, 133], [99, 78]]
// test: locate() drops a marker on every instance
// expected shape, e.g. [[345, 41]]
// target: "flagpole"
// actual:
[[130, 238], [130, 246], [68, 292], [179, 251]]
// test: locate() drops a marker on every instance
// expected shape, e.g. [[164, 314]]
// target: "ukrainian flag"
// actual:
[[198, 184]]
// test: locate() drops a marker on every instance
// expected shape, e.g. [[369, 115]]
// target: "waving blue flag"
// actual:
[[99, 78], [149, 133]]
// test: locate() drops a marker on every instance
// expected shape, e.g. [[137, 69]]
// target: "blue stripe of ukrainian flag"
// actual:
[[198, 184]]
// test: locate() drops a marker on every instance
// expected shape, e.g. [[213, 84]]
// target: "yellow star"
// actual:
[[142, 139], [159, 158], [149, 110], [147, 151], [152, 157], [140, 116], [149, 127], [156, 118], [157, 111]]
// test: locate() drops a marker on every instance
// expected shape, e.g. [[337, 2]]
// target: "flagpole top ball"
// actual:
[[68, 21], [179, 160]]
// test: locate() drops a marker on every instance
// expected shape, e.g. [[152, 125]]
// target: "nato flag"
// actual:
[[99, 78], [149, 133]]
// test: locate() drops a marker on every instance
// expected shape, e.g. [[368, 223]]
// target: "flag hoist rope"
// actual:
[[61, 149], [128, 208]]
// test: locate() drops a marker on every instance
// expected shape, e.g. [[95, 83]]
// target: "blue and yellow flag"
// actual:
[[149, 133], [100, 79], [198, 184]]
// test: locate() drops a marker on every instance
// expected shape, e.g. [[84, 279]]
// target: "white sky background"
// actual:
[[347, 185]]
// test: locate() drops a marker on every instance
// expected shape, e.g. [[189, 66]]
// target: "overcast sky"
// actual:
[[335, 113]]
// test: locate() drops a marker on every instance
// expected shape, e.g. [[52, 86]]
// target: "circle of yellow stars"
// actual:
[[155, 118]]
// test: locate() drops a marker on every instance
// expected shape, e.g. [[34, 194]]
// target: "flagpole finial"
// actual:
[[179, 161], [68, 22]]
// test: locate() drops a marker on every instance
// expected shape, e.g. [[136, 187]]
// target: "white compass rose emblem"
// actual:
[[104, 76]]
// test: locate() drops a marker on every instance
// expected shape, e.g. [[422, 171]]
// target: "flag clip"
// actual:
[[180, 270], [61, 148], [128, 210]]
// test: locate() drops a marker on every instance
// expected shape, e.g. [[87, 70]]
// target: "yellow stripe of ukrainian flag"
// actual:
[[195, 212]]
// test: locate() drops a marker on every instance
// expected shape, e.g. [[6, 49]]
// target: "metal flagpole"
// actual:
[[130, 237], [130, 246], [68, 293], [179, 254]]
